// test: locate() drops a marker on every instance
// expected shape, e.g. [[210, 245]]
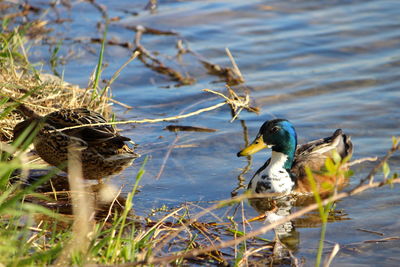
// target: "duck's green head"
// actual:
[[277, 134]]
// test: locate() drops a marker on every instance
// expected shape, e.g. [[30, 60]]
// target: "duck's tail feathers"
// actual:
[[338, 140], [343, 143]]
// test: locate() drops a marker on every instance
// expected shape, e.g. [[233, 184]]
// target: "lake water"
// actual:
[[321, 64]]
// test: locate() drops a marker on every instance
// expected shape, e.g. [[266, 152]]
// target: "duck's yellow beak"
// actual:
[[257, 145]]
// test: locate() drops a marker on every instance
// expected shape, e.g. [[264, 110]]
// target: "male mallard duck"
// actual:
[[103, 149], [285, 172]]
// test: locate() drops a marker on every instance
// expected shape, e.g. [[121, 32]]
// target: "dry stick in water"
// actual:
[[171, 147], [152, 5], [249, 158], [127, 45], [149, 30], [235, 66], [232, 76], [370, 231], [101, 8], [334, 251], [155, 63]]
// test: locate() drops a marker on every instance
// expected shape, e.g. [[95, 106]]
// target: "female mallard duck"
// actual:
[[103, 149], [285, 171]]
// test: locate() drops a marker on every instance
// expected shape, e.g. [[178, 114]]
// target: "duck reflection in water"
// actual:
[[286, 237]]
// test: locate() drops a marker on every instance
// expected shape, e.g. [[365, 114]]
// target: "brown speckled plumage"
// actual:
[[312, 154], [103, 150]]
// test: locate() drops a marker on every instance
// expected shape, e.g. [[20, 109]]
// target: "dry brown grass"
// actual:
[[43, 93]]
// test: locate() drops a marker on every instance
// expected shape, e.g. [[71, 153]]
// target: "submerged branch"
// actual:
[[149, 30], [110, 42], [155, 64], [101, 8]]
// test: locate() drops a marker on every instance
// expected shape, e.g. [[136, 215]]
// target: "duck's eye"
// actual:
[[275, 129]]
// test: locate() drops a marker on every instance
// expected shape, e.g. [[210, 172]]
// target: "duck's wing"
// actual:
[[90, 134], [314, 153], [324, 146]]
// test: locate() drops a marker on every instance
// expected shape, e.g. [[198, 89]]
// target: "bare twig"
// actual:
[[101, 8], [334, 251], [361, 243], [111, 206], [235, 66], [386, 239], [116, 74], [241, 179], [26, 9], [148, 30], [182, 128], [159, 222], [252, 251], [152, 5], [111, 42], [171, 147], [151, 120], [232, 76], [227, 73], [237, 103], [370, 176], [139, 32], [370, 231], [358, 161]]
